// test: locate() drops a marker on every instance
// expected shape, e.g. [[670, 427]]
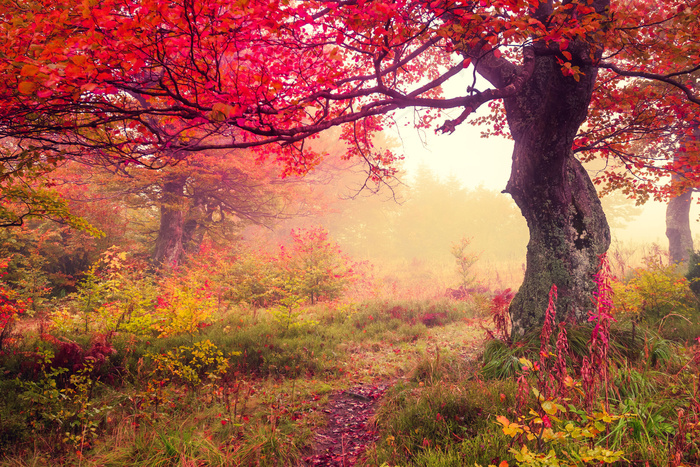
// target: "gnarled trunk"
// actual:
[[568, 229]]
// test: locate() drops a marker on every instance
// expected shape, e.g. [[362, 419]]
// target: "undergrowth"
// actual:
[[244, 387]]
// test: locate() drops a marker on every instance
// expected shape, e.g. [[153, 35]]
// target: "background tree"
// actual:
[[680, 236]]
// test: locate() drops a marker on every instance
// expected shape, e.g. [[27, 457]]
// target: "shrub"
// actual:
[[693, 274], [192, 365], [464, 262], [317, 265], [654, 293], [183, 307], [117, 294], [11, 305]]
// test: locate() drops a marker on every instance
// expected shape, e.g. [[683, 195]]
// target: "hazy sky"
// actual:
[[477, 161]]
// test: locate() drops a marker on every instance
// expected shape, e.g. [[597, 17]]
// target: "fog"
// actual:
[[476, 161], [451, 188]]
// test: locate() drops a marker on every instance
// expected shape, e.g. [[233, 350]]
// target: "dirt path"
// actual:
[[349, 430]]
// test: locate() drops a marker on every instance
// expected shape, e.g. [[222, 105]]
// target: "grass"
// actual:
[[448, 390], [262, 410], [440, 416]]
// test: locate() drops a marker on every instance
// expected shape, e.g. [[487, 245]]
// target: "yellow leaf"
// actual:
[[503, 420], [549, 407], [525, 362]]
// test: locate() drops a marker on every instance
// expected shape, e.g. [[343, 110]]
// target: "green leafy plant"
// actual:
[[68, 409], [464, 261], [654, 293], [116, 294], [192, 365]]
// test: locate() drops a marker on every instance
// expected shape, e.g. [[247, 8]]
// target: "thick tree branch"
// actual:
[[668, 79], [524, 73]]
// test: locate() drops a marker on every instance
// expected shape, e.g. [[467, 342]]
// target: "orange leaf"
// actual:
[[26, 87], [29, 70]]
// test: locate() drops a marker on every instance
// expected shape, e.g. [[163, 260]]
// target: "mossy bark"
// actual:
[[568, 229], [168, 245]]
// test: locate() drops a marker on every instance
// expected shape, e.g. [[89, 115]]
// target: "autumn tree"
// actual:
[[155, 82], [656, 156], [210, 195], [648, 140]]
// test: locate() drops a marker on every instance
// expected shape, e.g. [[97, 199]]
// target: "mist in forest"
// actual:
[[405, 228], [408, 229]]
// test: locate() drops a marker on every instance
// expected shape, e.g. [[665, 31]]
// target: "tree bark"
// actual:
[[680, 237], [168, 246], [195, 225], [568, 229]]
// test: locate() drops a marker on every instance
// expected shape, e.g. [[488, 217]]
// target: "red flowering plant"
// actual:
[[11, 304], [554, 418], [500, 317], [594, 370]]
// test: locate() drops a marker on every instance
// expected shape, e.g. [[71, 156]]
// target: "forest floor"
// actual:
[[327, 415], [350, 427]]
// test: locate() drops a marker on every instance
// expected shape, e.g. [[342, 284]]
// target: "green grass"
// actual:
[[448, 390]]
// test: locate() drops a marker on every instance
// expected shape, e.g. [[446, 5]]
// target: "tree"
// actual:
[[154, 82], [680, 236], [211, 194], [659, 160]]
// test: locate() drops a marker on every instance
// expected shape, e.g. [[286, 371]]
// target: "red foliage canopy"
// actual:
[[151, 81]]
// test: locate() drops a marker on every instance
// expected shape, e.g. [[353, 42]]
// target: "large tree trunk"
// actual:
[[568, 229], [169, 248]]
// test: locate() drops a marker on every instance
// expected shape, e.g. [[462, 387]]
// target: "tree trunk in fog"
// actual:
[[195, 226], [568, 229], [680, 238], [169, 248]]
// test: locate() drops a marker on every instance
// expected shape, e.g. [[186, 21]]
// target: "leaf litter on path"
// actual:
[[349, 430]]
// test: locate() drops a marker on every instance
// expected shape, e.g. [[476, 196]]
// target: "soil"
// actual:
[[350, 428]]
